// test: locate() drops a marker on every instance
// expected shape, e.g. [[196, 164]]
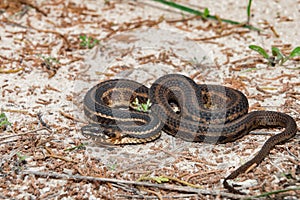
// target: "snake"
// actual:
[[182, 108]]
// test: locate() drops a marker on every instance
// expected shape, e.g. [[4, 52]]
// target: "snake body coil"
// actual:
[[206, 113]]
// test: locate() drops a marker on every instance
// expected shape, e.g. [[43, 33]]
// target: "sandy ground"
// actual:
[[45, 72]]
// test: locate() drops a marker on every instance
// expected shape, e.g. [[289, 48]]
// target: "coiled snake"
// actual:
[[206, 113]]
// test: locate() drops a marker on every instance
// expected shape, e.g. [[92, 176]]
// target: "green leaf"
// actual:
[[161, 179], [3, 120], [88, 42], [260, 50], [82, 37], [144, 107], [113, 167], [84, 41], [279, 56], [287, 175], [276, 51], [92, 42], [205, 13], [295, 52], [76, 147], [21, 157]]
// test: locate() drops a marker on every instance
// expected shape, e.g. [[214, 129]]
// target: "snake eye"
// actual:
[[109, 133]]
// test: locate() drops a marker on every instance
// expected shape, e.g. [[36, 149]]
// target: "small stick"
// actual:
[[158, 195], [71, 117], [39, 115], [21, 134], [145, 184], [52, 155]]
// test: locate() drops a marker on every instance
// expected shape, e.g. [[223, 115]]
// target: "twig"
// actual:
[[273, 192], [158, 195], [9, 71], [25, 112], [182, 182], [293, 155], [181, 196], [13, 24], [145, 184], [127, 188], [52, 155], [202, 174], [68, 116], [21, 134], [33, 6], [39, 115], [220, 36]]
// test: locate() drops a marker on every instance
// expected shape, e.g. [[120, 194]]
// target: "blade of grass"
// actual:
[[295, 52], [199, 13], [279, 56], [249, 11], [260, 50]]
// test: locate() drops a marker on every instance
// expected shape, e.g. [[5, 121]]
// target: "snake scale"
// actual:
[[204, 113]]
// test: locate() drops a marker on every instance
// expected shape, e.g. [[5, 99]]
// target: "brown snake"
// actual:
[[207, 113]]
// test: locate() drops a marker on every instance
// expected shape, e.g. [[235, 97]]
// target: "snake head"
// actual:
[[101, 134], [112, 135]]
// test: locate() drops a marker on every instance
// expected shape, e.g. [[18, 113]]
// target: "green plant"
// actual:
[[143, 107], [277, 56], [206, 15], [80, 146], [112, 166], [158, 179], [49, 60], [21, 158], [20, 162], [88, 42], [287, 175], [4, 121]]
